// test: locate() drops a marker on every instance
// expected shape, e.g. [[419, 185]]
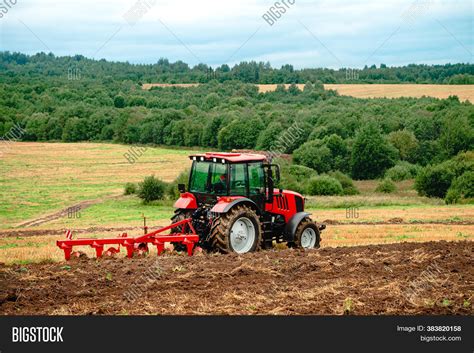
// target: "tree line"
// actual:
[[164, 71], [363, 138]]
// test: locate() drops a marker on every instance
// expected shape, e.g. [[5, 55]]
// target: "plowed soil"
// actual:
[[405, 279]]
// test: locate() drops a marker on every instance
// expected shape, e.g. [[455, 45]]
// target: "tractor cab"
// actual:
[[216, 175], [234, 205]]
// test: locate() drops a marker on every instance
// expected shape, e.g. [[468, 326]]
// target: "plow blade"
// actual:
[[187, 236]]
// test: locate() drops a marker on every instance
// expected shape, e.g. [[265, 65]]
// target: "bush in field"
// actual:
[[347, 184], [461, 188], [151, 189], [402, 171], [435, 180], [295, 177], [172, 188], [324, 185], [386, 186], [130, 188]]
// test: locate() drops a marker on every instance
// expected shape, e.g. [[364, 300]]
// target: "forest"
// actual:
[[77, 99]]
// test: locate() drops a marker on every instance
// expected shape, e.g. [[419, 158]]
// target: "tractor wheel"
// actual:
[[179, 215], [238, 230], [307, 235]]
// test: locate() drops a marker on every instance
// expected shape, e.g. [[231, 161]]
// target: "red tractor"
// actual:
[[234, 206], [231, 205]]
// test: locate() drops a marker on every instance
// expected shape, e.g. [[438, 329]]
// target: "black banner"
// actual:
[[290, 334]]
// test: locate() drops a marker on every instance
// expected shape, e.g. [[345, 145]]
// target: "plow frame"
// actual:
[[187, 236]]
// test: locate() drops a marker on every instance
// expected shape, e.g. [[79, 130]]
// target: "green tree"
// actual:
[[371, 155], [405, 142], [315, 155], [75, 130], [268, 138], [240, 133], [119, 102]]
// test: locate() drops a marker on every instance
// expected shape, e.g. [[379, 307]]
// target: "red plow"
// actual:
[[137, 245]]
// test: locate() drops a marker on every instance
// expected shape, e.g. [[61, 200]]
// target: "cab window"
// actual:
[[256, 179], [238, 179]]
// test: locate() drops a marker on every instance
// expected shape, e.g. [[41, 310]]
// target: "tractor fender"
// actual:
[[293, 223], [186, 201], [224, 205]]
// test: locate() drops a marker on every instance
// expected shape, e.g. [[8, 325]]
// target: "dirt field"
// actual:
[[407, 278]]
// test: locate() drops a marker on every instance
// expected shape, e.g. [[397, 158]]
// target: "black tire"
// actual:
[[219, 237], [179, 215], [305, 224]]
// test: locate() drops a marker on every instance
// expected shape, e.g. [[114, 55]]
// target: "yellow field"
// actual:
[[148, 86], [464, 92]]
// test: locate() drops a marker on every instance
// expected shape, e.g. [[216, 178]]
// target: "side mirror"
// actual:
[[182, 188]]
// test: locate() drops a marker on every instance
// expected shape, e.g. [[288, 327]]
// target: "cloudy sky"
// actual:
[[311, 33]]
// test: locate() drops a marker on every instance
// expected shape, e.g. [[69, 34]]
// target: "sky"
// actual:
[[305, 34]]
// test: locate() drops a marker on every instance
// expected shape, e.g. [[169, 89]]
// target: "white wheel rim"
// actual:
[[242, 235], [308, 238]]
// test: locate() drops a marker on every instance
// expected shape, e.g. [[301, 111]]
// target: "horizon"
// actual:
[[273, 67], [309, 34]]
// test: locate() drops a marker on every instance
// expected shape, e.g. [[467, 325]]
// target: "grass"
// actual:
[[46, 177], [125, 211]]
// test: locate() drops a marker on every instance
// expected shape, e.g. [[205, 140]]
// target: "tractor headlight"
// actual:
[[214, 160]]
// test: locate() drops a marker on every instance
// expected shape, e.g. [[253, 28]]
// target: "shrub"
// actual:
[[435, 180], [461, 188], [130, 188], [347, 184], [295, 177], [402, 171], [172, 188], [324, 185], [386, 186], [151, 189]]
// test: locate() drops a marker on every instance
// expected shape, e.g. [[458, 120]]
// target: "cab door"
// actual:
[[256, 180]]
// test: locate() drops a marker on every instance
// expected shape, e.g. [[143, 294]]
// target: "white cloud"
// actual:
[[341, 32]]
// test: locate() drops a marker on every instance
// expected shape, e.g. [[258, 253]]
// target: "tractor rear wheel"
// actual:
[[180, 215], [307, 235], [238, 230]]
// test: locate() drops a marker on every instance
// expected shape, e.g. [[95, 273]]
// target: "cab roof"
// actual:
[[231, 157]]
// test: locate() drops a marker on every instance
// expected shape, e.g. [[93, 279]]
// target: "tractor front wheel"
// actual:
[[307, 235], [238, 230]]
